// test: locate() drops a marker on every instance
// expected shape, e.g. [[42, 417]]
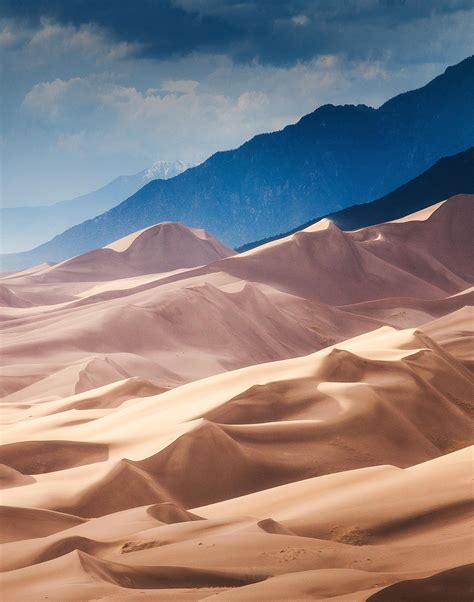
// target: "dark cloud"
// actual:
[[162, 28], [270, 31]]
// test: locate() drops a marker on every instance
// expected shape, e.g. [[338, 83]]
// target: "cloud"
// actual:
[[189, 119], [60, 101], [244, 30], [180, 86], [168, 123], [45, 99], [300, 20], [93, 91], [11, 35], [87, 39], [161, 29], [51, 40]]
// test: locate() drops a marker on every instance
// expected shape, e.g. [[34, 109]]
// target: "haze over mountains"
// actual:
[[154, 448], [26, 227], [335, 157]]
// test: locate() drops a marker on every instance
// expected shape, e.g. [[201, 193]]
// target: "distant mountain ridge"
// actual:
[[448, 177], [26, 227], [333, 158]]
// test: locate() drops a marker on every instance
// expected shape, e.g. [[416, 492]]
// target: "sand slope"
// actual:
[[338, 409], [275, 302], [314, 550], [294, 423], [425, 257], [162, 248]]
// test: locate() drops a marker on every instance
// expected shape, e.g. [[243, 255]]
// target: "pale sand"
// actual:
[[341, 471], [276, 302]]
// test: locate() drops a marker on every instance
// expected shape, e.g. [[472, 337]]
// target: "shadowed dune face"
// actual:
[[293, 423], [455, 584], [10, 477], [19, 523], [38, 457]]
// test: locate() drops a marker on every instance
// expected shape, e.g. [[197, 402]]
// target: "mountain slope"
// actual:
[[447, 177], [26, 227], [332, 158]]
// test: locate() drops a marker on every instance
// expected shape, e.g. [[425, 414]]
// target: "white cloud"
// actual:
[[180, 86], [45, 98], [188, 124], [189, 119], [52, 41], [372, 70], [11, 36], [300, 20], [60, 100]]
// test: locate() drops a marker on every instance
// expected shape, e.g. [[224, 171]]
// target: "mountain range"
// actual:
[[26, 227], [447, 177], [333, 158]]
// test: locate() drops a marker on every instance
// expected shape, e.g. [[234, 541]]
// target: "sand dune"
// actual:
[[335, 410], [10, 299], [293, 423], [364, 506], [24, 523], [162, 248], [10, 477], [426, 259], [185, 333], [38, 457], [238, 311], [407, 312], [454, 583], [327, 560], [450, 332]]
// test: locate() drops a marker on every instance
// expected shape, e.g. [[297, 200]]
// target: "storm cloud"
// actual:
[[270, 31]]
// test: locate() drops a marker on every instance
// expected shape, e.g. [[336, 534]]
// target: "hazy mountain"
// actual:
[[447, 177], [26, 227], [333, 158]]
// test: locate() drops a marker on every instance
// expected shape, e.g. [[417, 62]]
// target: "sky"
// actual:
[[93, 89]]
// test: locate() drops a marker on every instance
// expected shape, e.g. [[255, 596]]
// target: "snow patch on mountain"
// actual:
[[164, 170]]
